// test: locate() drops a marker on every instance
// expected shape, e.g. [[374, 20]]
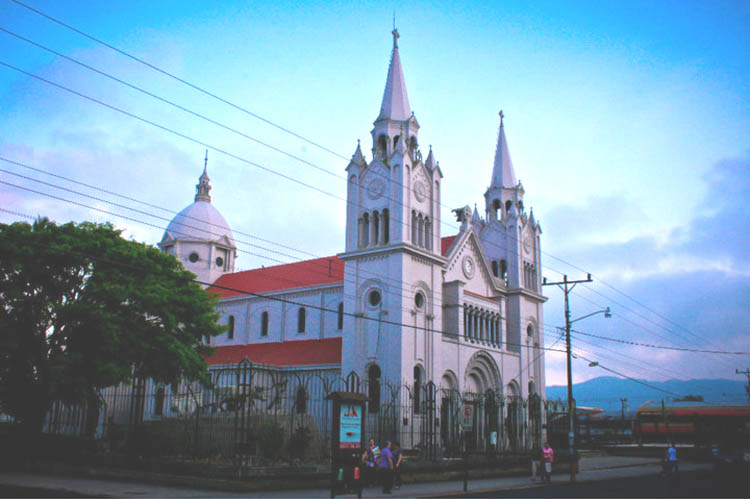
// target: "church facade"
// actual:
[[402, 302]]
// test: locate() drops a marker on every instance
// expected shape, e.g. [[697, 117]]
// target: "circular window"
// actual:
[[193, 257], [419, 300], [374, 297], [219, 261]]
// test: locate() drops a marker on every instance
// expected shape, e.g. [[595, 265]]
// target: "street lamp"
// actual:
[[571, 404]]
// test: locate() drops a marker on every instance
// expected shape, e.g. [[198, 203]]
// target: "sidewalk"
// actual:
[[597, 468]]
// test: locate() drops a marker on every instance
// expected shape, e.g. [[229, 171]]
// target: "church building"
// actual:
[[402, 302]]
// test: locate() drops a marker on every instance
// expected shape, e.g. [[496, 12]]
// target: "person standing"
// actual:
[[548, 455], [672, 458], [386, 467], [370, 461], [398, 457]]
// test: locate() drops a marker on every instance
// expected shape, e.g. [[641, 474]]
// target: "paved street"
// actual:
[[696, 483], [603, 468]]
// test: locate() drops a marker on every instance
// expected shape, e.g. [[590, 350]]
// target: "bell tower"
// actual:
[[505, 193], [393, 257]]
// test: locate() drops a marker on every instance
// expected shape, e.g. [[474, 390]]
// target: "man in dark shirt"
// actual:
[[386, 467], [398, 457]]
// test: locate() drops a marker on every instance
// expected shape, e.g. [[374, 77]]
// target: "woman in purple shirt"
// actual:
[[386, 467]]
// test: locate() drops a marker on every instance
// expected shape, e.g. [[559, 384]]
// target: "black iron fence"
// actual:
[[257, 416]]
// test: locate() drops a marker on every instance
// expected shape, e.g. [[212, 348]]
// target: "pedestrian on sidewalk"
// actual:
[[370, 461], [548, 456], [386, 467], [672, 458], [398, 457]]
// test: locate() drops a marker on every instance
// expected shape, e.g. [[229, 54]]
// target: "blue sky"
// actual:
[[628, 124]]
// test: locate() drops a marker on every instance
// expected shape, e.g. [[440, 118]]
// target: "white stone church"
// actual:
[[402, 301]]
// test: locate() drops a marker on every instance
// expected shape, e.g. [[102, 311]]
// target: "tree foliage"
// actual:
[[81, 309]]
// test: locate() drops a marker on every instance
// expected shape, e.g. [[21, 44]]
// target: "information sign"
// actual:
[[350, 426], [467, 417]]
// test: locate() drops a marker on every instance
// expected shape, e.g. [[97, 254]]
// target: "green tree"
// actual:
[[81, 309]]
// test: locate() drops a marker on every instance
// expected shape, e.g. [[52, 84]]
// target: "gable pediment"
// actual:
[[468, 263]]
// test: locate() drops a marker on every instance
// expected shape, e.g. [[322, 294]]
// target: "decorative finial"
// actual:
[[502, 115], [395, 38], [204, 187]]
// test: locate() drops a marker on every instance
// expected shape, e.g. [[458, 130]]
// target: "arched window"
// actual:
[[496, 207], [532, 389], [508, 204], [365, 229], [230, 333], [427, 233], [414, 228], [386, 226], [382, 146], [301, 320], [375, 228], [530, 330], [341, 316], [373, 384], [420, 237], [395, 141], [413, 143], [504, 270], [417, 388], [300, 400], [264, 324], [494, 268]]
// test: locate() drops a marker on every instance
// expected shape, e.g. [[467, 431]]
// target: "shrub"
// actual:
[[270, 440]]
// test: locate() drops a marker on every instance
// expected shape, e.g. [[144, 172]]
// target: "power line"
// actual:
[[621, 317], [181, 80], [240, 108], [627, 377], [173, 104], [277, 298], [398, 184], [659, 346], [172, 131]]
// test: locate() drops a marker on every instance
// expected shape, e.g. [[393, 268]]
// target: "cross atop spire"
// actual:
[[395, 104], [503, 174], [204, 187]]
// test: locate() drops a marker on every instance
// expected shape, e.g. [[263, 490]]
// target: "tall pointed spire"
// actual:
[[395, 104], [203, 187], [503, 174]]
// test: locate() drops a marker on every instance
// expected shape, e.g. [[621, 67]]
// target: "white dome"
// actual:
[[199, 221]]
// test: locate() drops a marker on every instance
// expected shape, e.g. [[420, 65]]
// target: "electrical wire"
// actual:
[[635, 343], [286, 130], [215, 286]]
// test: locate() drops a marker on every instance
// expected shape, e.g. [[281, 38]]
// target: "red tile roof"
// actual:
[[445, 244], [288, 353], [328, 270]]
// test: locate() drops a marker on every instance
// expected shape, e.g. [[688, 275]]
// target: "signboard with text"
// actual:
[[350, 425]]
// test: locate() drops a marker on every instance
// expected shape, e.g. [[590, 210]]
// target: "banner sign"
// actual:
[[467, 417], [350, 426]]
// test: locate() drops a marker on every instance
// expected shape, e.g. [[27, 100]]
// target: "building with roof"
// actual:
[[401, 302]]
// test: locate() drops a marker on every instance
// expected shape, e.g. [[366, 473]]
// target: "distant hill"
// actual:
[[605, 392]]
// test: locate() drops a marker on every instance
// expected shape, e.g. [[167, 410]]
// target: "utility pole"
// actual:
[[567, 286], [622, 401], [746, 372]]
